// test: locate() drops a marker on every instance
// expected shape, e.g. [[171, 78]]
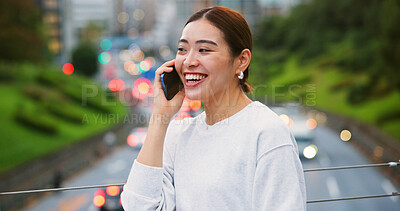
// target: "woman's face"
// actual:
[[204, 63]]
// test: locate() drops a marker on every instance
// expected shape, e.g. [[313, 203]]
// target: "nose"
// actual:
[[191, 60]]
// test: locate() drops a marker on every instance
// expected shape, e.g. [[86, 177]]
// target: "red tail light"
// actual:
[[112, 190], [99, 198]]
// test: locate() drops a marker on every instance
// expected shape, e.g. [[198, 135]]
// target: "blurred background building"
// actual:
[[277, 7], [52, 19], [157, 22]]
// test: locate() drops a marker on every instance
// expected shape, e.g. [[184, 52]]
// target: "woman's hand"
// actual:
[[163, 107], [151, 153]]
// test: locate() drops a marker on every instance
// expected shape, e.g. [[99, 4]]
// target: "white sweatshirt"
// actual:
[[248, 161]]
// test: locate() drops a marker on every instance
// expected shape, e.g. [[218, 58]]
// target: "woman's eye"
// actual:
[[181, 49], [204, 50]]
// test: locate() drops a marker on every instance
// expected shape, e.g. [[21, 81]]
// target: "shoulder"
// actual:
[[264, 119], [272, 131]]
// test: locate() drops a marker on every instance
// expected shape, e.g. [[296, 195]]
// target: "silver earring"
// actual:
[[241, 75]]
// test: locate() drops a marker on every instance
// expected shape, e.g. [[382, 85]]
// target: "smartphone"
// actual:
[[171, 83]]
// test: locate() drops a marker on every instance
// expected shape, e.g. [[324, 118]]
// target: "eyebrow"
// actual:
[[200, 41]]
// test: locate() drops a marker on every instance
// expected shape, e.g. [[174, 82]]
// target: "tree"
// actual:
[[84, 59], [21, 31]]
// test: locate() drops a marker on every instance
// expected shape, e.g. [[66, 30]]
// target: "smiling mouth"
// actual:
[[194, 78]]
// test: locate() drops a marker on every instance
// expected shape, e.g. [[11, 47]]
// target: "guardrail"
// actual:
[[389, 164]]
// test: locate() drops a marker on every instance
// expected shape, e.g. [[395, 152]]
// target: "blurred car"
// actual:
[[136, 137], [302, 127], [108, 199]]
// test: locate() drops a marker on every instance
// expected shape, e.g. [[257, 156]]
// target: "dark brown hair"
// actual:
[[236, 32]]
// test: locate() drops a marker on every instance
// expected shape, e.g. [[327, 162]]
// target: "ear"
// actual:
[[242, 61]]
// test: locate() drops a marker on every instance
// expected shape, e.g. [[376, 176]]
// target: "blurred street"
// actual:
[[320, 185], [111, 170], [75, 74]]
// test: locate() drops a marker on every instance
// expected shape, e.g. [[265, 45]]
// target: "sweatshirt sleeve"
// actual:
[[150, 188], [279, 181]]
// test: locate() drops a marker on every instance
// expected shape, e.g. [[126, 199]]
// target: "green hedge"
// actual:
[[5, 74], [64, 111], [35, 120], [95, 102]]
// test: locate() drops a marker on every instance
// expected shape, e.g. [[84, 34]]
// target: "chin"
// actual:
[[193, 95]]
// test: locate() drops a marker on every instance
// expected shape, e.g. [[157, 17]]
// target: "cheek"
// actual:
[[179, 63]]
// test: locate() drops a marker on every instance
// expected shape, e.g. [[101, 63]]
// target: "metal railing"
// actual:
[[389, 164]]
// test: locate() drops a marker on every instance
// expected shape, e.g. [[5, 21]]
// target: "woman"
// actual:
[[238, 154]]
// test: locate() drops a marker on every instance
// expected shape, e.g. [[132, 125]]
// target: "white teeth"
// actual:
[[194, 77]]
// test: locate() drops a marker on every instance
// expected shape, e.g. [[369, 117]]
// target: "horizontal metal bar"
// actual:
[[355, 197], [390, 164], [59, 189]]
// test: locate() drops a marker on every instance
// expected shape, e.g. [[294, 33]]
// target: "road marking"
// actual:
[[389, 188], [333, 187], [116, 166]]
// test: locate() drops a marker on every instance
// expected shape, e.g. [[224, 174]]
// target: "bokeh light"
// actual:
[[133, 47], [378, 152], [68, 68], [106, 44], [116, 84], [152, 60], [132, 140], [136, 94], [105, 57], [321, 117], [165, 51], [345, 135], [144, 65], [125, 55], [135, 53], [137, 56], [123, 17], [140, 80], [112, 190], [182, 115], [143, 88], [195, 105], [99, 198], [285, 118], [310, 151], [311, 123], [138, 14], [131, 68]]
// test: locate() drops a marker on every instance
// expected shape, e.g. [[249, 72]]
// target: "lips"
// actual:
[[193, 79]]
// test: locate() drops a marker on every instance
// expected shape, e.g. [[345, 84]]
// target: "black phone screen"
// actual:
[[171, 83]]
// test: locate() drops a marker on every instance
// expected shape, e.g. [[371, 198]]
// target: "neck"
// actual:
[[220, 108]]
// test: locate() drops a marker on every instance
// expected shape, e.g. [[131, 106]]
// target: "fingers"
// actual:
[[163, 68], [169, 63], [166, 67]]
